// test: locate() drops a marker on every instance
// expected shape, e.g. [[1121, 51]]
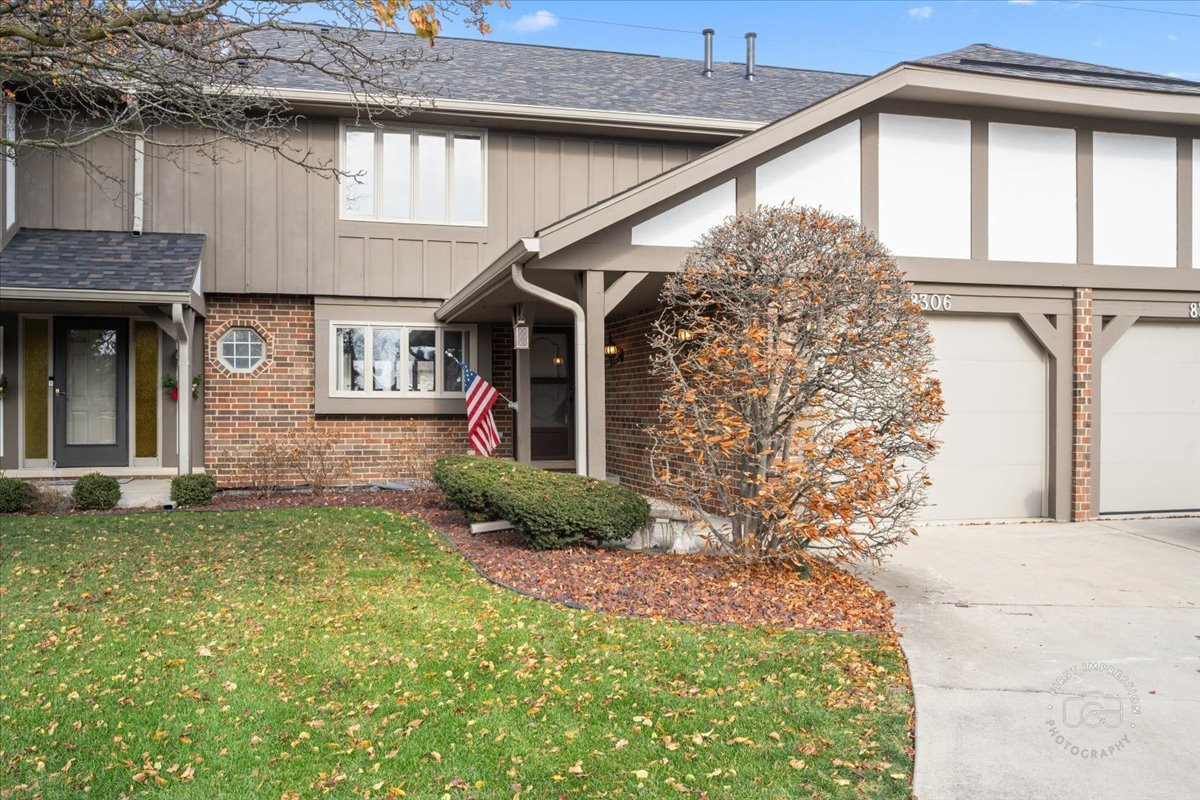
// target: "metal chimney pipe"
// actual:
[[750, 37], [708, 52]]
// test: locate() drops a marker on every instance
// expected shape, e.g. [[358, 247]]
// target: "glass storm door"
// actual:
[[552, 406], [91, 382]]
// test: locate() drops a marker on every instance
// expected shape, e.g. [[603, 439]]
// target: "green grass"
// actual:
[[351, 653]]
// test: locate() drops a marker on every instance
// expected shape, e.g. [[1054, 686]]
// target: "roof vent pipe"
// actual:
[[750, 37], [708, 57]]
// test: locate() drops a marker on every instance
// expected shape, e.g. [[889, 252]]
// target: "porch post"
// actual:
[[521, 391], [184, 321], [591, 297]]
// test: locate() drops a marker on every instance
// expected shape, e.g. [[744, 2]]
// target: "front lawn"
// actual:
[[350, 652]]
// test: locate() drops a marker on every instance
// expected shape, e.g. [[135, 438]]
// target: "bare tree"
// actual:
[[798, 399], [80, 70]]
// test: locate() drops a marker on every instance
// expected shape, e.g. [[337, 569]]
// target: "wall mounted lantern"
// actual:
[[613, 354]]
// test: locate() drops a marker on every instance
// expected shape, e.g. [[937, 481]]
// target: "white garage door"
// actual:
[[992, 464], [1150, 419]]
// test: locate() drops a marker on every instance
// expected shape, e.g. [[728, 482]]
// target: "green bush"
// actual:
[[556, 509], [12, 494], [193, 490], [465, 481], [96, 492]]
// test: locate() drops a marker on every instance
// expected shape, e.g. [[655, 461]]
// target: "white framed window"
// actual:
[[414, 174], [391, 359], [241, 349]]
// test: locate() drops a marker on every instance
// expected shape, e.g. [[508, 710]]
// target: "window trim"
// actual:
[[221, 349], [414, 133], [369, 391]]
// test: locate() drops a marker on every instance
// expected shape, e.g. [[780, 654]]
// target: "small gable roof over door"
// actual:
[[101, 261]]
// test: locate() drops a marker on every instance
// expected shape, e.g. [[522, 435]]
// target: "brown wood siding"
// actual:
[[274, 229]]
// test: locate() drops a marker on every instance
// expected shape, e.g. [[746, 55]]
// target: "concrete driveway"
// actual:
[[1053, 660]]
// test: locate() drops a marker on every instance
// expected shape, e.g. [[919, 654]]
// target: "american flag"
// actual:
[[481, 425]]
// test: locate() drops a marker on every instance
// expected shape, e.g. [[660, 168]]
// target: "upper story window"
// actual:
[[413, 174], [391, 359]]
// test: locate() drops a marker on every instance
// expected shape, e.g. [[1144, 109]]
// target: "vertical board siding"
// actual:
[[273, 228]]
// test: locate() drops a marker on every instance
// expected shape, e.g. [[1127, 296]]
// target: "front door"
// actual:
[[552, 406], [91, 380]]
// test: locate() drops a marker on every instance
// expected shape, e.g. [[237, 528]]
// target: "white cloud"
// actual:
[[921, 12], [537, 21], [1172, 37], [1022, 2]]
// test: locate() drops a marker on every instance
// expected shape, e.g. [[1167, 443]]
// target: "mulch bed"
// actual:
[[694, 588]]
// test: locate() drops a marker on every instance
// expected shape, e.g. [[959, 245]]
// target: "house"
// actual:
[[1047, 212]]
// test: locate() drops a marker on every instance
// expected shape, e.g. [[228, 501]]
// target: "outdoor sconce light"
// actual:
[[684, 335], [612, 353], [559, 360]]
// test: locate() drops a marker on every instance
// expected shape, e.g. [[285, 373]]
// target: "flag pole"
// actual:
[[511, 404]]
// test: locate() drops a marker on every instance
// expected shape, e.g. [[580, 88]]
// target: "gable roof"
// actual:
[[103, 261], [490, 71], [994, 60]]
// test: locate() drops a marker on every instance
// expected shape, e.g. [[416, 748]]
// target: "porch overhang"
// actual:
[[494, 284], [112, 267]]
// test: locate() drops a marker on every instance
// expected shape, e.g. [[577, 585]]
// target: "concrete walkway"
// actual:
[[135, 492], [1052, 660]]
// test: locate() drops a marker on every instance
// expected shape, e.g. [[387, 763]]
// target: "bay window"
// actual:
[[386, 359], [413, 175]]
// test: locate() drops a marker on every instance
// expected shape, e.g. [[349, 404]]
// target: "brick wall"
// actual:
[[1081, 412], [631, 401], [242, 410]]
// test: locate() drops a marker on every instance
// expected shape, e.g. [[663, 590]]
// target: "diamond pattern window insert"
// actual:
[[241, 349]]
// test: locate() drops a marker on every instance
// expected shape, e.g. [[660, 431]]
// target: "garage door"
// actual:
[[1150, 419], [992, 464]]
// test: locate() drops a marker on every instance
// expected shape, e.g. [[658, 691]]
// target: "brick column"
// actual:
[[1081, 427]]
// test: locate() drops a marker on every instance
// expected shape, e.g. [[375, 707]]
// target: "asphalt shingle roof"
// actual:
[[502, 72], [115, 261], [992, 60]]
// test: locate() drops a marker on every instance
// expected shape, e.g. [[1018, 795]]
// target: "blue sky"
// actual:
[[868, 35]]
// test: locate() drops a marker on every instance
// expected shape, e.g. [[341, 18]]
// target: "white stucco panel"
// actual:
[[1134, 182], [925, 186], [682, 225], [824, 172], [1031, 193]]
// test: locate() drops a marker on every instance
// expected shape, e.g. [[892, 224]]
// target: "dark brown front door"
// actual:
[[91, 383], [552, 395]]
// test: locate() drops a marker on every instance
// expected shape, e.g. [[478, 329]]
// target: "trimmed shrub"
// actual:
[[556, 509], [12, 494], [96, 492], [44, 499], [465, 481], [193, 490]]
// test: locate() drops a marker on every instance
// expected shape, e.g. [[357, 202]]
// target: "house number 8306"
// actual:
[[932, 302]]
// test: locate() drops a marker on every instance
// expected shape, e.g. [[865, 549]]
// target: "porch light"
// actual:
[[559, 360], [613, 354], [684, 334]]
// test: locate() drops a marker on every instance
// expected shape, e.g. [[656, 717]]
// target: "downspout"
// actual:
[[139, 183], [139, 171], [518, 276]]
